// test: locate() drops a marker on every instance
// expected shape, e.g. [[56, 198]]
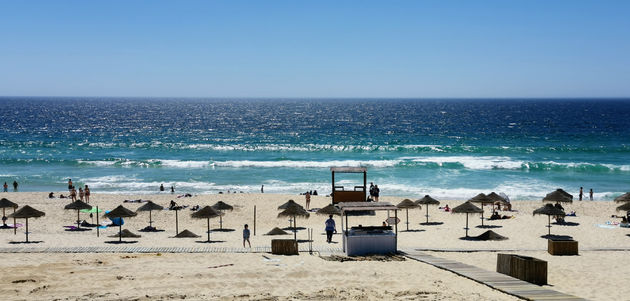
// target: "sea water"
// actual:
[[447, 148]]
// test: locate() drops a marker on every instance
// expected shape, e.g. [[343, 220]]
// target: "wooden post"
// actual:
[[27, 229], [254, 220], [98, 226], [332, 193], [208, 229], [549, 223], [396, 227], [466, 225], [14, 225], [427, 215], [407, 210], [176, 223], [482, 215]]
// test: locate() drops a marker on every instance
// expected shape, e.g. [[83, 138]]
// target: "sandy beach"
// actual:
[[594, 274]]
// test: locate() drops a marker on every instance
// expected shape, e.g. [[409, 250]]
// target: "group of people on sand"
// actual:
[[374, 192], [84, 193], [590, 193], [6, 186]]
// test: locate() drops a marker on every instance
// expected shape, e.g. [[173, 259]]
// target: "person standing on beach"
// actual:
[[246, 236], [330, 228], [590, 194], [377, 192], [262, 188], [371, 191], [81, 194], [73, 194], [161, 187], [15, 186], [308, 199], [70, 184], [172, 189], [581, 193], [87, 194], [6, 187]]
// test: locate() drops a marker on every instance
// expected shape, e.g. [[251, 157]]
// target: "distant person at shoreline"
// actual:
[[6, 187], [161, 187], [371, 191], [314, 192], [377, 192], [70, 186], [87, 194], [246, 236], [581, 193], [172, 189], [590, 194], [308, 199], [15, 186], [262, 188]]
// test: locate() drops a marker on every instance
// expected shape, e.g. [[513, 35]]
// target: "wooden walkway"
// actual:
[[133, 249], [498, 281]]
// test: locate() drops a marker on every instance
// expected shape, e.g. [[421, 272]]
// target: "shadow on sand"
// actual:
[[26, 242], [124, 242], [557, 237], [432, 224]]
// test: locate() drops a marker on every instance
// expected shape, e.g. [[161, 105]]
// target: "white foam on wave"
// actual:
[[182, 164], [472, 162], [307, 164]]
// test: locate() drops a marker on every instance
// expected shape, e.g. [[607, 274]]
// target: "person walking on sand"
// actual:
[[308, 199], [6, 187], [246, 236], [590, 194], [15, 186], [87, 194], [330, 228], [581, 193]]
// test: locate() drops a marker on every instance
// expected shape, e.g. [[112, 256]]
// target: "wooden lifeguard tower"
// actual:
[[356, 194]]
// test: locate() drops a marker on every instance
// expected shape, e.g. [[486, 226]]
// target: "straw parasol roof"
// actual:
[[329, 210], [150, 206], [481, 198], [27, 212], [495, 197], [624, 207], [277, 231], [220, 205], [288, 204], [427, 200], [467, 207], [558, 196], [186, 234], [4, 203], [549, 210], [294, 211], [78, 205], [620, 199], [490, 235], [120, 211], [407, 203], [207, 213]]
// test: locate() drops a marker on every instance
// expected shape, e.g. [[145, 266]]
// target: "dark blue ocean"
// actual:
[[450, 149]]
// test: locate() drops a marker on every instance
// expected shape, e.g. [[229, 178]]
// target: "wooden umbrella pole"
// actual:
[[221, 222], [176, 223], [98, 226], [254, 220], [208, 229], [14, 224], [294, 228], [27, 229], [150, 218], [4, 223], [481, 214], [466, 224], [120, 231], [407, 211], [78, 224], [427, 207], [549, 223]]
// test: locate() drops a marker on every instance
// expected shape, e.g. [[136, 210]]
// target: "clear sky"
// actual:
[[315, 48]]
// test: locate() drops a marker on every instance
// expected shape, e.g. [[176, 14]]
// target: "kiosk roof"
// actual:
[[349, 169]]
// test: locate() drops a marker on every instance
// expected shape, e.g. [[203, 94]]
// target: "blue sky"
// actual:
[[315, 48]]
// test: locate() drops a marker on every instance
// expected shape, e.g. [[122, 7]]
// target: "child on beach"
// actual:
[[246, 236]]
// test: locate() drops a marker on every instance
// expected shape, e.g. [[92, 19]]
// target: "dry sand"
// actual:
[[598, 275]]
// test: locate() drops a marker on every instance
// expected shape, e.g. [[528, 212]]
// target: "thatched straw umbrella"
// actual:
[[120, 212], [558, 196], [27, 212], [287, 204], [150, 206], [78, 205], [482, 199], [467, 208], [406, 204], [549, 210], [623, 198], [294, 211], [4, 203], [207, 213], [221, 206], [426, 201], [624, 207]]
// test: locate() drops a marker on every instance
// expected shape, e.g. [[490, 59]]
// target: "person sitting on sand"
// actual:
[[61, 196], [495, 215], [51, 195], [172, 205]]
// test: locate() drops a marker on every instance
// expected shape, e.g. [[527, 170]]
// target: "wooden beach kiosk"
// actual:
[[363, 240], [341, 194]]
